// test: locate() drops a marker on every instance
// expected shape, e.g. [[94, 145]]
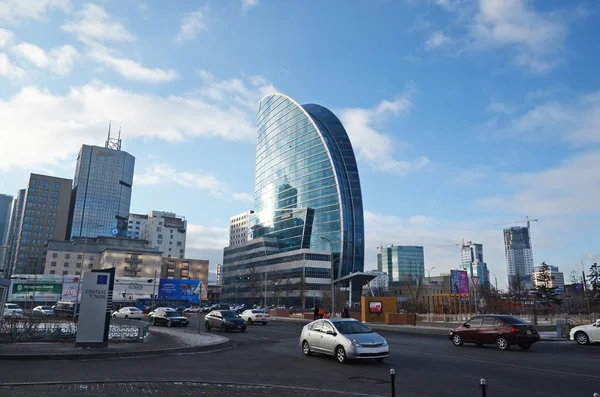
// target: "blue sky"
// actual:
[[463, 113]]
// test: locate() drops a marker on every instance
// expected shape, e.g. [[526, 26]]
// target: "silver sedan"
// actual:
[[346, 339]]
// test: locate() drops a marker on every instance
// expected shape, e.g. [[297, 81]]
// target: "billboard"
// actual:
[[459, 280], [375, 307], [179, 289], [35, 290], [69, 288]]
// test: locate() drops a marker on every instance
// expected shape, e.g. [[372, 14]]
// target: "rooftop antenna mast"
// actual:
[[112, 143]]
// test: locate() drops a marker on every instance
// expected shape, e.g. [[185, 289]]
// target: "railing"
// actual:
[[542, 320], [47, 329]]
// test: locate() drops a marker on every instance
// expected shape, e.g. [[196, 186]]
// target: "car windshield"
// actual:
[[229, 314], [46, 307], [352, 327], [12, 306], [172, 314], [512, 320], [133, 309]]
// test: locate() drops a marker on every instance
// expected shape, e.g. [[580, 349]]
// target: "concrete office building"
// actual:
[[166, 232], [45, 215], [185, 269], [135, 225], [403, 263], [557, 278], [238, 228], [130, 257], [308, 202], [102, 191], [380, 284], [519, 255], [472, 262], [5, 210]]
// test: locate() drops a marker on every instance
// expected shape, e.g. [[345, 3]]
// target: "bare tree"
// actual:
[[415, 290], [255, 283], [575, 277], [519, 292]]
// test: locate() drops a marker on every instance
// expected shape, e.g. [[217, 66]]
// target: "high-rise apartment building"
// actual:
[[45, 216], [135, 225], [164, 231], [471, 256], [519, 256], [238, 228], [308, 206], [16, 215], [403, 263], [5, 209], [102, 190], [557, 278]]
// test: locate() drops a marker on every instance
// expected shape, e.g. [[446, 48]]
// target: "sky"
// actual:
[[466, 116]]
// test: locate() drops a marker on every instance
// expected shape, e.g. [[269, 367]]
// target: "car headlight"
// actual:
[[353, 342], [384, 342]]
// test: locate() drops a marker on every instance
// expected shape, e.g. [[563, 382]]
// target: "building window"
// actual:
[[55, 255], [171, 236], [67, 256], [65, 272], [78, 264], [159, 236], [79, 256], [170, 243], [90, 266], [91, 257], [158, 241], [159, 229], [53, 263], [66, 264]]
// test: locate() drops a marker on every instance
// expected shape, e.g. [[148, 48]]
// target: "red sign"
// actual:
[[475, 280]]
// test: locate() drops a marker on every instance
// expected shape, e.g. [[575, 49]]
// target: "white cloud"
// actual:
[[247, 4], [534, 36], [371, 144], [243, 197], [570, 188], [191, 25], [16, 11], [58, 60], [6, 37], [143, 7], [499, 107], [437, 39], [130, 69], [9, 69], [205, 237], [52, 126], [165, 173], [96, 24]]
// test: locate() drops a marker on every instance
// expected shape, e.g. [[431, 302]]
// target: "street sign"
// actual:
[[475, 280]]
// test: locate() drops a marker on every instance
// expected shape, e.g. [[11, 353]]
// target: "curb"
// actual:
[[214, 383], [100, 356], [409, 329]]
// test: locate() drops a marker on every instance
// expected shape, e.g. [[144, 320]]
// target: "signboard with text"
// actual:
[[95, 309], [179, 289], [35, 290], [459, 281]]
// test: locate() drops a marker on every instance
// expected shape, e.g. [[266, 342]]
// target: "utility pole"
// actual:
[[585, 289]]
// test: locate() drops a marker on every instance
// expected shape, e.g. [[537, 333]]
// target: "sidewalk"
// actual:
[[424, 330], [165, 389], [160, 341]]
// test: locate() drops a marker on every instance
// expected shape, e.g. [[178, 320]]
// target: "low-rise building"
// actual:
[[185, 269], [379, 286], [557, 278]]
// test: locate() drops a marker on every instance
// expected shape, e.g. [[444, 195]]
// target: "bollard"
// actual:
[[596, 395], [483, 385], [393, 381]]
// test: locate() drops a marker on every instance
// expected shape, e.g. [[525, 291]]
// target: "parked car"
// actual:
[[344, 338], [225, 320], [43, 311], [170, 318], [499, 330], [586, 334], [192, 309], [252, 316], [12, 310], [129, 313], [66, 309], [158, 308]]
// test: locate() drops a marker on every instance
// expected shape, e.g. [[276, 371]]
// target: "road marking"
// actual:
[[552, 371]]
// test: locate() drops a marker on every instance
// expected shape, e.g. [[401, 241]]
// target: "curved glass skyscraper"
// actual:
[[307, 189]]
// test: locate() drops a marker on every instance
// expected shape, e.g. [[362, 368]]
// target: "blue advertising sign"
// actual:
[[179, 289]]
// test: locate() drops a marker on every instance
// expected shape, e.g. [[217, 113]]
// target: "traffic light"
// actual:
[[123, 294]]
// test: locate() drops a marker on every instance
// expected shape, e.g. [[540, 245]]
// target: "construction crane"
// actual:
[[462, 244], [527, 221]]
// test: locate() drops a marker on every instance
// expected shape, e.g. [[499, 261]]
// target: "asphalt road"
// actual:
[[425, 366]]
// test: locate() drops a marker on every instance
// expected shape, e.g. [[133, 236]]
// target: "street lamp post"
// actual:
[[495, 279]]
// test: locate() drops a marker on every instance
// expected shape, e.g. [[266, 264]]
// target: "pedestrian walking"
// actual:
[[316, 312]]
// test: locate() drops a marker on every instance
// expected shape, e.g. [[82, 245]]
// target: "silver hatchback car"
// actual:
[[344, 338]]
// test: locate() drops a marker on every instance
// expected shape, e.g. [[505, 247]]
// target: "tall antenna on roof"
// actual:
[[112, 143]]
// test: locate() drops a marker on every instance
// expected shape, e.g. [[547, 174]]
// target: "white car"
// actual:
[[256, 316], [43, 310], [129, 312], [586, 334], [12, 310], [192, 309], [155, 310]]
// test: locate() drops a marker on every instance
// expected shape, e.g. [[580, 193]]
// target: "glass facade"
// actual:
[[519, 256], [403, 263], [101, 192], [307, 188]]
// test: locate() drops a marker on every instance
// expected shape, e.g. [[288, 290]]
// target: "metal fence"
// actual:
[[52, 329]]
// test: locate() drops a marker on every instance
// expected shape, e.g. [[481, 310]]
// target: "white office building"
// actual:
[[557, 278], [238, 228], [380, 283], [164, 231], [519, 255]]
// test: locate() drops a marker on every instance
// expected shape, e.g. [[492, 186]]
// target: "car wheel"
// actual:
[[169, 324], [223, 328], [525, 346], [502, 343], [340, 355], [243, 329], [114, 316], [457, 340], [249, 321], [126, 317], [264, 323], [153, 322], [207, 326], [306, 348], [582, 338]]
